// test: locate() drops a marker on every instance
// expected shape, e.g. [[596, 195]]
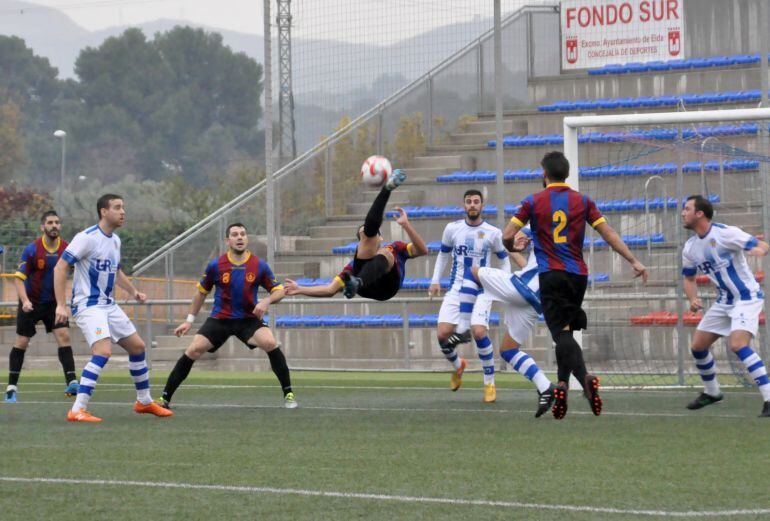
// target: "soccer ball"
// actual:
[[375, 171]]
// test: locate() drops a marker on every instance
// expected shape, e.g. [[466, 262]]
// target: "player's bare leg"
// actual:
[[263, 338]]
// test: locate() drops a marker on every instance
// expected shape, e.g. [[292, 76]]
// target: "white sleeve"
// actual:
[[688, 266], [737, 239], [504, 262], [80, 247], [443, 255]]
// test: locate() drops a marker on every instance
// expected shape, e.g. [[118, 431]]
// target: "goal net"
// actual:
[[639, 168]]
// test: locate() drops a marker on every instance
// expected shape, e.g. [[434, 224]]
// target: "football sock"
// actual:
[[525, 365], [756, 369], [15, 361], [450, 354], [376, 213], [67, 363], [177, 376], [374, 270], [140, 373], [572, 356], [487, 356], [88, 379], [281, 370], [704, 361]]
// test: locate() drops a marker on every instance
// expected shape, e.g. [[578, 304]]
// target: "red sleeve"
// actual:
[[27, 264], [347, 269], [593, 216], [209, 277], [522, 217], [268, 280]]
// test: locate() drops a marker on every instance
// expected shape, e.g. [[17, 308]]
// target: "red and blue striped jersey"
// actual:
[[558, 217], [237, 285], [401, 252], [36, 270]]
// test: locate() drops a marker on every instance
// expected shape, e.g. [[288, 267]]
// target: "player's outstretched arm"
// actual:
[[195, 307], [124, 282], [292, 288], [760, 250], [419, 247], [616, 243], [691, 291], [60, 272]]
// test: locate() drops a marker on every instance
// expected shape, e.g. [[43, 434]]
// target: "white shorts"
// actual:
[[723, 319], [457, 308], [99, 322], [519, 315]]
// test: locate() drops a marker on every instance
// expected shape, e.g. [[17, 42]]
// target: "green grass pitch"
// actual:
[[388, 446]]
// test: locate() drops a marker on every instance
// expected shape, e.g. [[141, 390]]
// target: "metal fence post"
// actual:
[[680, 333], [405, 335], [328, 192], [169, 284], [148, 334], [379, 132], [430, 110], [480, 75]]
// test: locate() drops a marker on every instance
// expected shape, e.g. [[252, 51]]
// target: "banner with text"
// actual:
[[598, 32]]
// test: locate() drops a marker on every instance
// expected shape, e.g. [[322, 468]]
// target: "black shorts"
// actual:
[[561, 296], [386, 287], [218, 330], [25, 322]]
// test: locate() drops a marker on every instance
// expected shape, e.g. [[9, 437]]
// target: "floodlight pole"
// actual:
[[499, 151], [270, 186]]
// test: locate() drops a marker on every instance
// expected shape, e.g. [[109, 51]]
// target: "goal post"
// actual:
[[672, 125]]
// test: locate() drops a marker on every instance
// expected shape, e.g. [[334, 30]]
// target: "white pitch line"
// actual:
[[613, 390], [402, 409], [389, 497]]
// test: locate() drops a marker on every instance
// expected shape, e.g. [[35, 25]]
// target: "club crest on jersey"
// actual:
[[713, 243], [226, 278], [98, 331], [481, 235], [40, 264], [250, 277]]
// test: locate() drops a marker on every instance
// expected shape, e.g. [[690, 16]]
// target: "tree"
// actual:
[[11, 147]]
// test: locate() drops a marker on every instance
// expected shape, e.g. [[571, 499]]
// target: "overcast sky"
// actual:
[[383, 20]]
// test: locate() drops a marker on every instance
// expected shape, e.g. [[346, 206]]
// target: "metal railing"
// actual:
[[425, 83]]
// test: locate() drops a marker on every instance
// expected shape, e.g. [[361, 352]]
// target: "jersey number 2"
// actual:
[[560, 219]]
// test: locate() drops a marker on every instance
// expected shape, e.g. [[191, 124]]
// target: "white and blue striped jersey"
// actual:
[[96, 258], [526, 280], [719, 255], [469, 246]]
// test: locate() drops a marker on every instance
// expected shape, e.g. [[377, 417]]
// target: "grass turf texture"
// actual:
[[372, 433]]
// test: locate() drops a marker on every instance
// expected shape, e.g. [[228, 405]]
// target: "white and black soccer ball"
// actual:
[[375, 171]]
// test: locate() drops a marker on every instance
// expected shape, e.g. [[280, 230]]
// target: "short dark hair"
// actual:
[[473, 191], [104, 203], [46, 215], [702, 205], [556, 166], [234, 225]]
